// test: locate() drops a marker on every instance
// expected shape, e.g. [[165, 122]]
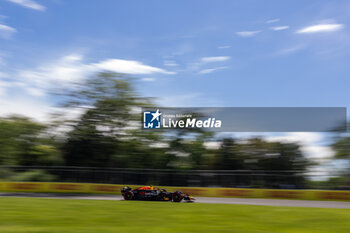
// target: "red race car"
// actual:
[[150, 193]]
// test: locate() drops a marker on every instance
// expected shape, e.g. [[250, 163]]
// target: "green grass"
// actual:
[[29, 215]]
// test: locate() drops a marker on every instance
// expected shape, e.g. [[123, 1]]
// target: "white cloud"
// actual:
[[129, 67], [73, 57], [310, 144], [6, 31], [29, 4], [272, 20], [64, 71], [303, 137], [224, 47], [215, 59], [279, 28], [23, 94], [35, 91], [170, 63], [321, 28], [148, 79], [318, 152], [29, 107], [198, 65], [290, 50], [71, 69], [211, 70], [247, 33]]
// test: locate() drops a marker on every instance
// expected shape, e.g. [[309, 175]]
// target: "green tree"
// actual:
[[186, 145], [228, 156], [108, 134], [24, 142], [262, 155], [342, 151], [342, 148]]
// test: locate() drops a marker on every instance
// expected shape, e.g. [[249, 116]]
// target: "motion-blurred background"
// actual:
[[74, 76], [104, 143]]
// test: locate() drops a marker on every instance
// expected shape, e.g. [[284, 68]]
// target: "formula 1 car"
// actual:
[[149, 193]]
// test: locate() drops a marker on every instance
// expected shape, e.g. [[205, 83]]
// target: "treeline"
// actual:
[[27, 143], [106, 133]]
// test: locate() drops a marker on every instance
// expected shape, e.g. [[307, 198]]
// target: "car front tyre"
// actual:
[[128, 195]]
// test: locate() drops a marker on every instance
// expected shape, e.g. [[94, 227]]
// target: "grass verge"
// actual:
[[40, 215]]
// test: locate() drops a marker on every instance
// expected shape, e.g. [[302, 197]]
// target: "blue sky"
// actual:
[[258, 56], [185, 53]]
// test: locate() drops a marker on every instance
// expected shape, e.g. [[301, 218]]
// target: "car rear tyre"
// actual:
[[177, 197]]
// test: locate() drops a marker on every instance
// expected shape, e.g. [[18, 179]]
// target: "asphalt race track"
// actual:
[[241, 201]]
